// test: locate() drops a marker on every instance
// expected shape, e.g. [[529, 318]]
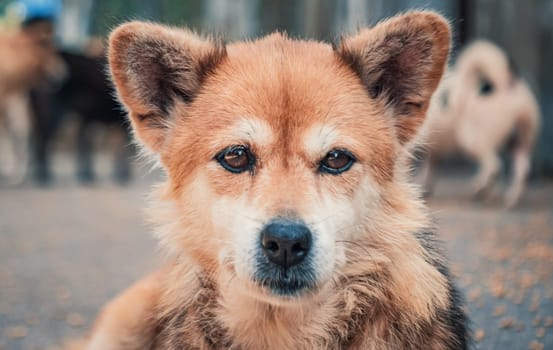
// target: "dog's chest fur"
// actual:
[[356, 317]]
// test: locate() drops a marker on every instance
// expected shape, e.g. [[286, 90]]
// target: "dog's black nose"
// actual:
[[286, 243]]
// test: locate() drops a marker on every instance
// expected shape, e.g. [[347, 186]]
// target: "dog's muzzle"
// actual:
[[284, 262]]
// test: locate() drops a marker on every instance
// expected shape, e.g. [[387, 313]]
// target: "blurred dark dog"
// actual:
[[86, 92]]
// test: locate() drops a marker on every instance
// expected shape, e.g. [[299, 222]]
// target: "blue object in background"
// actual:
[[30, 10]]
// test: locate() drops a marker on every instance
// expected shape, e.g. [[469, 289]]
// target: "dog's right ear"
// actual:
[[156, 67], [400, 62]]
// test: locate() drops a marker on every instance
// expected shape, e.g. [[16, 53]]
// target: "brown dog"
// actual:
[[29, 59], [287, 212], [476, 110]]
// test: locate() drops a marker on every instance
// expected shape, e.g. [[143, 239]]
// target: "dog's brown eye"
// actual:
[[236, 159], [336, 162]]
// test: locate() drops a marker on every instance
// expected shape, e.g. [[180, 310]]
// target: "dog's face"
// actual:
[[279, 152]]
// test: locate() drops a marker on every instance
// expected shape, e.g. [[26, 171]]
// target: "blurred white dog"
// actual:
[[482, 106]]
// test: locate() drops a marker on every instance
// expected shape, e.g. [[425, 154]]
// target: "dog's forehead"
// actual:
[[280, 72], [286, 85]]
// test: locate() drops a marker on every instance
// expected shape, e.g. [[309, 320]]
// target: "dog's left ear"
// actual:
[[154, 68], [400, 61]]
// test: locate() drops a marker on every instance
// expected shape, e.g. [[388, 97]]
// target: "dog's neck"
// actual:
[[333, 319], [338, 318], [230, 320]]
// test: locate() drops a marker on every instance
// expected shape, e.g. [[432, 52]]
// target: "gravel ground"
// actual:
[[67, 249]]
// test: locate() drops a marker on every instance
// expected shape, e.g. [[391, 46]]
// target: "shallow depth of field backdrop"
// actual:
[[523, 28], [66, 248]]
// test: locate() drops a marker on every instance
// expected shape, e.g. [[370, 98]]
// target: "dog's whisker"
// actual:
[[256, 220], [349, 227], [325, 219], [363, 248]]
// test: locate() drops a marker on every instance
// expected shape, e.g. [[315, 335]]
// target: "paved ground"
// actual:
[[503, 261], [65, 250]]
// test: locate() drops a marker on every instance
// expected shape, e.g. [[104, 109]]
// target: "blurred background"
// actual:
[[72, 191]]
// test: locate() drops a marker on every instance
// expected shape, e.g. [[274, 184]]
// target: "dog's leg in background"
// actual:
[[521, 167], [526, 129], [123, 155], [426, 175], [488, 163], [16, 144], [5, 146], [85, 172], [45, 124]]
